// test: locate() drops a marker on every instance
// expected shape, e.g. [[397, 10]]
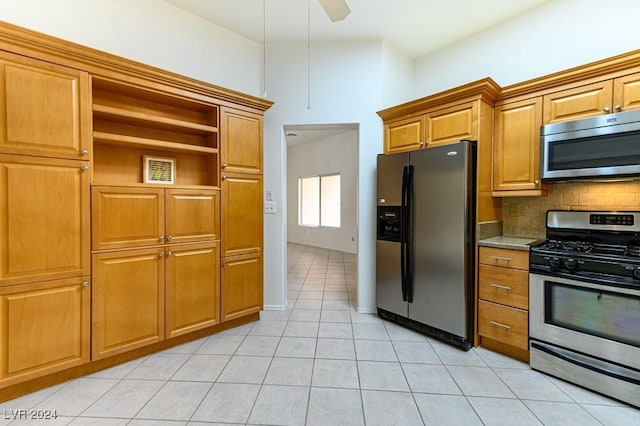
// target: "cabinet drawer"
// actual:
[[504, 324], [517, 259], [504, 285]]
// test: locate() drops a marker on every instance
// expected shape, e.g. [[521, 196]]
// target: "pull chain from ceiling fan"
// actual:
[[308, 55], [264, 48]]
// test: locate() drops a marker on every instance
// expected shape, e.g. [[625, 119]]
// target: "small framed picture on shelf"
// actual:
[[159, 170]]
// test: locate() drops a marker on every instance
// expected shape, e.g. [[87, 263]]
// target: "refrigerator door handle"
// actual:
[[403, 232], [409, 240]]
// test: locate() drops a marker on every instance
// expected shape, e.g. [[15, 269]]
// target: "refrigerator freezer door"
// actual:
[[388, 278], [440, 224], [389, 178], [388, 263]]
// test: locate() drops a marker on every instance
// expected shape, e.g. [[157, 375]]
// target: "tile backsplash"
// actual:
[[525, 216]]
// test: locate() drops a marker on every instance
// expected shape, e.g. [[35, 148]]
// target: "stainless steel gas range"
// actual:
[[584, 301]]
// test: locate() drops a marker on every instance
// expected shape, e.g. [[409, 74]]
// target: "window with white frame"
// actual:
[[319, 201]]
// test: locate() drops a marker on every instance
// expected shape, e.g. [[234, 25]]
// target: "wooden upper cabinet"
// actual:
[[433, 128], [44, 328], [44, 109], [192, 215], [125, 217], [403, 135], [579, 102], [626, 93], [452, 124], [604, 97], [241, 148], [242, 225], [44, 219], [516, 151]]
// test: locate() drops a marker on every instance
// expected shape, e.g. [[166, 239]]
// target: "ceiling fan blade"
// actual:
[[337, 10]]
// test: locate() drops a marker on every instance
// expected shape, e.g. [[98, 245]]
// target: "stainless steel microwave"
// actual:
[[598, 148]]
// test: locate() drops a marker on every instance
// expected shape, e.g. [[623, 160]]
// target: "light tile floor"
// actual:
[[321, 363]]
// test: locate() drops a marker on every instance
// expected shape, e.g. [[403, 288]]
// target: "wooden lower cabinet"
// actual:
[[127, 301], [504, 324], [192, 288], [143, 296], [44, 328], [241, 286], [503, 301]]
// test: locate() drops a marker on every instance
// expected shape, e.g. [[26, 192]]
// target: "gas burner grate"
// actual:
[[574, 246]]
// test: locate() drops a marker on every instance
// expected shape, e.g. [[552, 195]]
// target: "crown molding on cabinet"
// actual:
[[485, 89], [603, 69], [37, 45]]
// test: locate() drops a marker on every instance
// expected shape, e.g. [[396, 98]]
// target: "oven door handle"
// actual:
[[567, 356]]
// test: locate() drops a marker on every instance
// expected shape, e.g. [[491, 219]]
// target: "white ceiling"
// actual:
[[416, 27]]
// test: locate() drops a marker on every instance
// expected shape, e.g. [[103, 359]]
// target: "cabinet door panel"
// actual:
[[241, 149], [516, 157], [241, 286], [192, 215], [126, 217], [44, 328], [626, 92], [45, 108], [44, 219], [506, 286], [127, 301], [404, 135], [192, 288], [504, 324], [241, 215], [452, 124], [493, 256], [579, 102]]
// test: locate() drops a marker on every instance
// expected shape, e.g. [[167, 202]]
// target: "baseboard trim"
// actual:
[[274, 308]]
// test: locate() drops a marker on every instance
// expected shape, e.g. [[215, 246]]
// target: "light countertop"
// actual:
[[507, 242]]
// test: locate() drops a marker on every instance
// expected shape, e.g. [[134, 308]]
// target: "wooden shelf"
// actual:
[[133, 141], [104, 112], [149, 185]]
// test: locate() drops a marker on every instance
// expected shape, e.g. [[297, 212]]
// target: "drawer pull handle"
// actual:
[[506, 259], [498, 324], [503, 287]]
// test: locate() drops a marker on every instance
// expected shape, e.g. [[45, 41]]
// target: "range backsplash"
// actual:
[[525, 216]]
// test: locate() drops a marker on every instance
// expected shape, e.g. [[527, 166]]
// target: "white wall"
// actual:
[[336, 154], [147, 31], [346, 87], [558, 35], [397, 75]]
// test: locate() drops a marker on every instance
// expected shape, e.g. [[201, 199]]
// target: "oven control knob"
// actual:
[[555, 262], [636, 273], [570, 264]]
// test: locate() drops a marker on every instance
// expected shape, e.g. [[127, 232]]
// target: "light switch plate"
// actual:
[[269, 194]]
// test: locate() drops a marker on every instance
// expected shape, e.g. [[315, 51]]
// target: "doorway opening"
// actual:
[[321, 181]]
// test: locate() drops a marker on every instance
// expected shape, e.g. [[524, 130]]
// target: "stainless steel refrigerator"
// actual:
[[425, 248]]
